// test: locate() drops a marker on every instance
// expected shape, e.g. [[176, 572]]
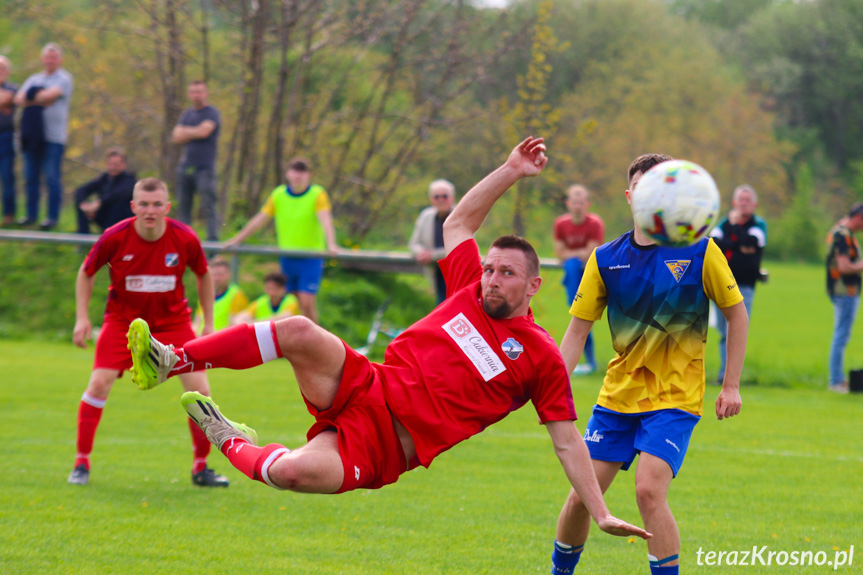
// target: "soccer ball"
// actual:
[[676, 203]]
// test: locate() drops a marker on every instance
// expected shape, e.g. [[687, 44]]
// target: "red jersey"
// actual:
[[576, 236], [457, 371], [147, 277]]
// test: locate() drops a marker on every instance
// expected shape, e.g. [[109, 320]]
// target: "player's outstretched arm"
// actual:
[[573, 455], [526, 160], [728, 403], [257, 222]]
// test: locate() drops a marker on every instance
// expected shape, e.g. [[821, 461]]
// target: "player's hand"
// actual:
[[528, 158], [231, 243], [728, 403], [82, 332], [424, 257], [615, 526]]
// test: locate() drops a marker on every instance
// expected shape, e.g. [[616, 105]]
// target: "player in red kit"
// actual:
[[147, 256], [477, 357]]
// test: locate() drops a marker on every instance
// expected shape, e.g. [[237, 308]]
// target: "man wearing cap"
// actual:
[[304, 221], [844, 268]]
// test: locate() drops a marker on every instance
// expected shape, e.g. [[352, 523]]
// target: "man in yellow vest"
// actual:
[[304, 221], [276, 303], [230, 301]]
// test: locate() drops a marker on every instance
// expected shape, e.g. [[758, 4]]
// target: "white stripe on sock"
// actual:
[[90, 400], [266, 344], [265, 468]]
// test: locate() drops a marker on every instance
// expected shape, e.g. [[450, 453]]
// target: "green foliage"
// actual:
[[799, 234]]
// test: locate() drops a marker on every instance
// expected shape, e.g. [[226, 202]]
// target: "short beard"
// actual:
[[502, 311]]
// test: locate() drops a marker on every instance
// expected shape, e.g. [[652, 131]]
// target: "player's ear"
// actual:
[[533, 285], [628, 197]]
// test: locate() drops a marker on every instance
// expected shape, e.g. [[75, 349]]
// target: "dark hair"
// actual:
[[219, 262], [151, 185], [299, 165], [115, 151], [643, 163], [276, 278], [518, 243], [198, 83], [856, 210]]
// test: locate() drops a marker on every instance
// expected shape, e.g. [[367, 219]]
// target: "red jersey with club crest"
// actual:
[[147, 277], [457, 371]]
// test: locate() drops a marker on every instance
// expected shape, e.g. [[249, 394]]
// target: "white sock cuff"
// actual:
[[265, 468], [266, 341], [90, 400]]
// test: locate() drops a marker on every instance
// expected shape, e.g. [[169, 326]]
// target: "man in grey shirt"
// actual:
[[51, 90], [197, 131]]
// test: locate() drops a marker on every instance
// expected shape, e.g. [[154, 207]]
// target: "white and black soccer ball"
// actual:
[[676, 203]]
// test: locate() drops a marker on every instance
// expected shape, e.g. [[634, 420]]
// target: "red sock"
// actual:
[[238, 347], [201, 446], [251, 459], [89, 414]]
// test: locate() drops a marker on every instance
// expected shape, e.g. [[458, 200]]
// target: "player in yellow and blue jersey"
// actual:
[[652, 395]]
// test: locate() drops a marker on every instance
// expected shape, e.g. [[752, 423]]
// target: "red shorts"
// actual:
[[111, 347], [372, 455]]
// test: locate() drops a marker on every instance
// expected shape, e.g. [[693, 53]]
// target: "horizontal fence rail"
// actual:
[[370, 260]]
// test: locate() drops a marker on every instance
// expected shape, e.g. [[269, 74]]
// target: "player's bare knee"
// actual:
[[295, 333], [100, 385], [574, 506], [648, 495]]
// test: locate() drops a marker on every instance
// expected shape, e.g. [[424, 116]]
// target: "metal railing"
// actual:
[[371, 260]]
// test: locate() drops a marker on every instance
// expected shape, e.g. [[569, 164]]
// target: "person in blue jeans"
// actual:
[[7, 141], [50, 90], [742, 237], [844, 268]]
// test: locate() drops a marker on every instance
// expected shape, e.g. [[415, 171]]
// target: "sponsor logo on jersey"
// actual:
[[677, 268], [619, 267], [461, 327], [128, 257], [595, 437], [474, 346], [512, 348], [151, 284], [171, 260]]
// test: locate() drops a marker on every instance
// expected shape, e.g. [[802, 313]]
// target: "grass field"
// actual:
[[787, 473]]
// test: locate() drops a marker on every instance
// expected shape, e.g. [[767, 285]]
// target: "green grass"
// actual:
[[786, 473]]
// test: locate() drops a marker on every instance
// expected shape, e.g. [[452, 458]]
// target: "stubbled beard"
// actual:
[[501, 311]]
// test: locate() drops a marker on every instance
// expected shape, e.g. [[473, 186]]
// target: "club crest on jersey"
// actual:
[[171, 260], [677, 268], [512, 348]]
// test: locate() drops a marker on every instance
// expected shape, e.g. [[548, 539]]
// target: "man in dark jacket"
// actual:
[[113, 191], [742, 237]]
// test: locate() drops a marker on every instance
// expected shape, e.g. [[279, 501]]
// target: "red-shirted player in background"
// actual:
[[474, 359], [147, 256]]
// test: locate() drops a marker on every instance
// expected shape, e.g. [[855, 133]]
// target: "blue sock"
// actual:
[[659, 567], [564, 558]]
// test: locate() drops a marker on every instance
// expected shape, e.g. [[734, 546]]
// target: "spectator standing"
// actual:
[[113, 190], [197, 131], [276, 303], [304, 221], [50, 90], [576, 234], [230, 299], [7, 141], [426, 243], [741, 236], [844, 268]]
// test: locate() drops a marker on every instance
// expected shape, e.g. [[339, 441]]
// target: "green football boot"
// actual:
[[152, 360]]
